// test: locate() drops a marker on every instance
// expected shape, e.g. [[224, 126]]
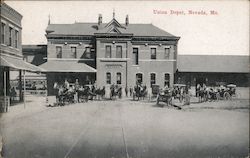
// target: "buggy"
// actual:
[[164, 95]]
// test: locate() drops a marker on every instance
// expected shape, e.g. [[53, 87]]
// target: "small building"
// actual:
[[110, 53], [213, 70]]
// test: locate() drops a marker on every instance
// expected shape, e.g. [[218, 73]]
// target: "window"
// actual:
[[108, 78], [108, 52], [152, 79], [118, 51], [166, 80], [135, 56], [10, 36], [3, 33], [153, 53], [87, 53], [58, 52], [118, 78], [167, 53], [16, 38], [73, 52], [139, 78]]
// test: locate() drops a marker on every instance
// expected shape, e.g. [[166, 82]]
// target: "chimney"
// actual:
[[99, 19], [127, 20]]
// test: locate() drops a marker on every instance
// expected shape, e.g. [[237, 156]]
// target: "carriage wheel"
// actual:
[[227, 96]]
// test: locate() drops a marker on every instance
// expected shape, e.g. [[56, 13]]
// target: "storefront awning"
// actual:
[[18, 64], [66, 66]]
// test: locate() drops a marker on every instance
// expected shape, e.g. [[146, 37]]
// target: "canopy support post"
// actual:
[[24, 90]]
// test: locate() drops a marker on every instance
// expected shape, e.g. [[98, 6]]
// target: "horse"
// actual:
[[100, 93], [83, 94], [115, 90], [203, 94], [139, 91]]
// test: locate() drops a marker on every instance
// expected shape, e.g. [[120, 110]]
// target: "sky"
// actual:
[[223, 33]]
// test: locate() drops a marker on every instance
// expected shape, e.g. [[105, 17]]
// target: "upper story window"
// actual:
[[167, 53], [119, 78], [58, 51], [152, 78], [16, 38], [153, 53], [73, 52], [108, 78], [108, 52], [3, 33], [118, 51], [10, 36], [135, 56], [87, 52]]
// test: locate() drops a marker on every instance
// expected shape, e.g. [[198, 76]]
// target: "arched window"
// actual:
[[108, 78], [166, 79], [139, 78], [119, 78], [152, 78]]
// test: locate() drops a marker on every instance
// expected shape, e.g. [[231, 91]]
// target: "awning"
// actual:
[[18, 64], [66, 66]]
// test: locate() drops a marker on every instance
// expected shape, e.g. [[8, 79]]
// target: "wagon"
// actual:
[[230, 91], [164, 95]]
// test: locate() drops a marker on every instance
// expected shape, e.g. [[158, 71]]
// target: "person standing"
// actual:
[[77, 87], [126, 91]]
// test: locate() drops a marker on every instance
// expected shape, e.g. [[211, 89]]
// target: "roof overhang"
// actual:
[[15, 63], [67, 66]]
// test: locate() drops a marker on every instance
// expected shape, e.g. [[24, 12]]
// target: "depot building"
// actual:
[[110, 53]]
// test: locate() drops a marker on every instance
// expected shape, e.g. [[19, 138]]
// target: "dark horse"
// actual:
[[139, 92], [83, 94], [203, 95], [100, 93], [115, 90]]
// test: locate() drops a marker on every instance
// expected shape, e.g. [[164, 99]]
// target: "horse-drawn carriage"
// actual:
[[71, 94], [226, 92], [164, 95], [167, 95]]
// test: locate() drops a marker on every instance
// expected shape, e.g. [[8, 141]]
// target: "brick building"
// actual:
[[11, 57], [108, 53]]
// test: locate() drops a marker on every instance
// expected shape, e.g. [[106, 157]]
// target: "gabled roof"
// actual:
[[213, 63], [92, 28]]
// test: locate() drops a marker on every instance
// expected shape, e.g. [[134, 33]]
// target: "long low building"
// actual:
[[213, 70]]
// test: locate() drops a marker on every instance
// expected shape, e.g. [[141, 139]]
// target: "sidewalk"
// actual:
[[32, 105]]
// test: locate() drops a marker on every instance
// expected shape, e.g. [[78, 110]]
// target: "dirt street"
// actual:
[[126, 129]]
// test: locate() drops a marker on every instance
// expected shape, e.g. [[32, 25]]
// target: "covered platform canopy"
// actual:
[[66, 66], [18, 64]]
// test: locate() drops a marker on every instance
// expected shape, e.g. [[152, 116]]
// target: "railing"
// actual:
[[36, 92]]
